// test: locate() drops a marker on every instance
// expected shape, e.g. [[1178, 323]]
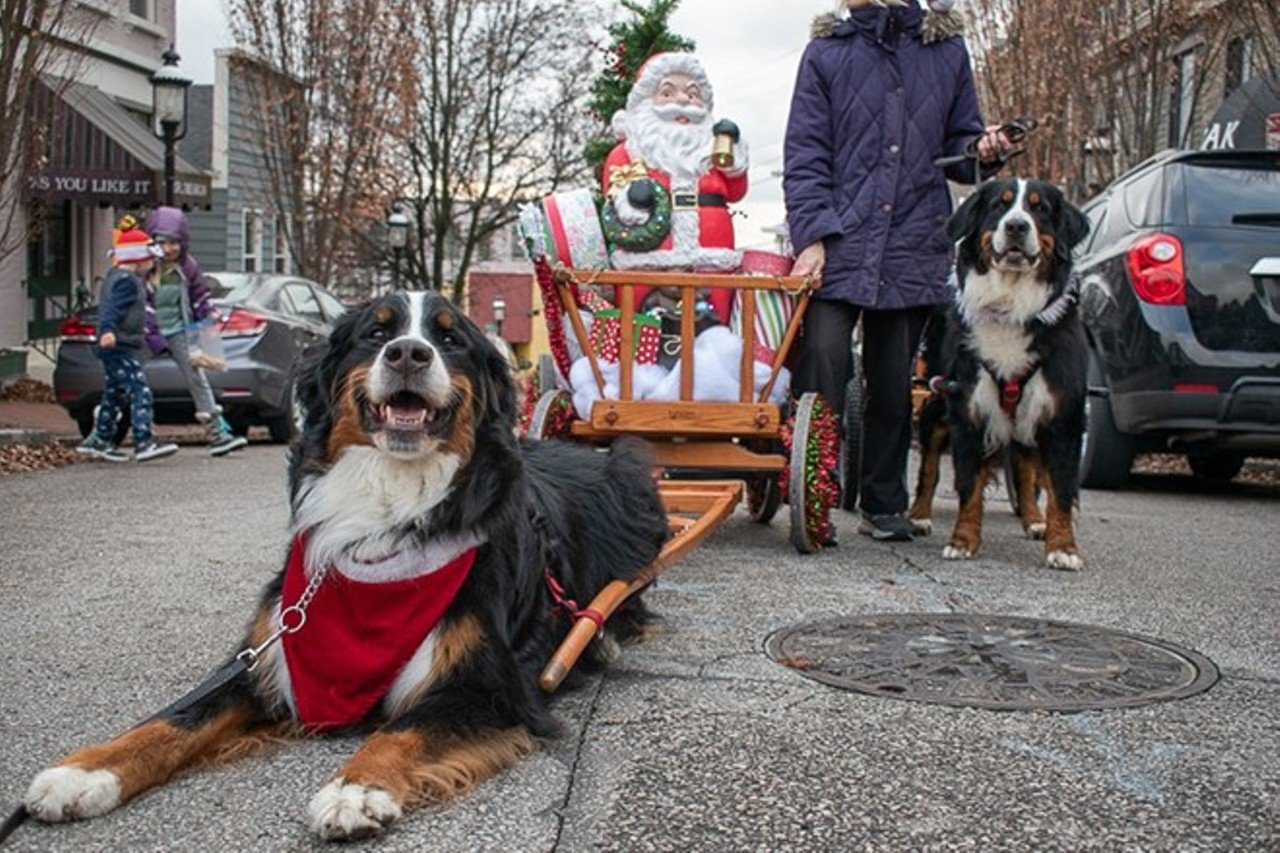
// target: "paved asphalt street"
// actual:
[[122, 586]]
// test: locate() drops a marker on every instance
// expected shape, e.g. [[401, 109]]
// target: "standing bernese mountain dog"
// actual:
[[429, 553], [1014, 353]]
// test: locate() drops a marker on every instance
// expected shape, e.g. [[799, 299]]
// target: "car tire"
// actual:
[[1215, 467], [286, 427], [1107, 454]]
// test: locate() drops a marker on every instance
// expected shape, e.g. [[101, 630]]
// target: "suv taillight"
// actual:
[[75, 329], [1156, 270], [243, 324]]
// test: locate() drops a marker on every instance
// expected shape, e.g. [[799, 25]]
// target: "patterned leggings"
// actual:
[[125, 385]]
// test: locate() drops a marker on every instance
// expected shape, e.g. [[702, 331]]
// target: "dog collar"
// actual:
[[1056, 311], [361, 632]]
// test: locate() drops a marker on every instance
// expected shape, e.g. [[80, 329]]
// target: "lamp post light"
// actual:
[[169, 106], [499, 314], [397, 239]]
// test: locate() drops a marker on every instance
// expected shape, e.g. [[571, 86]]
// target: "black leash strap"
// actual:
[[223, 677], [12, 822]]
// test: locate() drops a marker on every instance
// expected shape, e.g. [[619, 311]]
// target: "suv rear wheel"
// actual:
[[1107, 454]]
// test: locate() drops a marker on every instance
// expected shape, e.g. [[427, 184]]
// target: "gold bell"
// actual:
[[722, 151]]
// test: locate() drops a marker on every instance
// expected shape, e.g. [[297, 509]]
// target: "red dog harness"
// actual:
[[360, 634], [1011, 389]]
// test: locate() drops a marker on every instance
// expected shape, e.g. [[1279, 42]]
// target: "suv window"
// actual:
[[1217, 194], [1143, 199], [1097, 216]]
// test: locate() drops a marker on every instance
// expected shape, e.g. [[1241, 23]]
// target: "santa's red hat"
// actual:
[[661, 66]]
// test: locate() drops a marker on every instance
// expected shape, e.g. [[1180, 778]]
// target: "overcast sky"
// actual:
[[750, 49]]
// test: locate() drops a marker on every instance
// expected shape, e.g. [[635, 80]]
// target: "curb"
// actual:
[[26, 436]]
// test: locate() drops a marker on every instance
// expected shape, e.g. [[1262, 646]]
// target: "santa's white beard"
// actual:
[[683, 151]]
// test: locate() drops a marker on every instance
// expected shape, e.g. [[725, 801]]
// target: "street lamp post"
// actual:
[[397, 239], [499, 314], [169, 105]]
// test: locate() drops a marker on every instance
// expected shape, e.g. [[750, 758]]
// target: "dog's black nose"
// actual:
[[408, 355], [1017, 227]]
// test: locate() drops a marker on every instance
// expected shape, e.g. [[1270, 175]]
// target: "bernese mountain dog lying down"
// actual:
[[1011, 361], [424, 541]]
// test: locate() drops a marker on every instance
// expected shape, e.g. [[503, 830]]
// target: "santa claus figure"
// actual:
[[670, 181]]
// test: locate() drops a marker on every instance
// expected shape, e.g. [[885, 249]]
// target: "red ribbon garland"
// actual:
[[553, 311]]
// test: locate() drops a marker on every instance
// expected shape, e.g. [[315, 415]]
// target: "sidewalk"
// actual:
[[50, 419]]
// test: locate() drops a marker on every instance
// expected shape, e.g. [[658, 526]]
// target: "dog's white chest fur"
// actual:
[[358, 506], [1005, 349]]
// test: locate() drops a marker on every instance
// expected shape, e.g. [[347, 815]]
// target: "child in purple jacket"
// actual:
[[180, 298]]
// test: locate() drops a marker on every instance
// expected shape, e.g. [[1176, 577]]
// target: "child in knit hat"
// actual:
[[180, 298], [121, 329]]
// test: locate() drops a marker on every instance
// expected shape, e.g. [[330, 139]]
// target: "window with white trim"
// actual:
[[280, 261], [140, 8], [1182, 97], [1239, 62], [251, 240]]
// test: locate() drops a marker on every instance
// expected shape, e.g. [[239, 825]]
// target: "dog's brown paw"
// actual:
[[922, 526], [344, 811], [1067, 561], [69, 793], [956, 552], [1036, 531]]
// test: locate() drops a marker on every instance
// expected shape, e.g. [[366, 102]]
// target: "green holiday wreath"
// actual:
[[639, 238]]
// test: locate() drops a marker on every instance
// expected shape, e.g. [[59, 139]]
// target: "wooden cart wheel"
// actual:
[[553, 416], [546, 375], [764, 496], [811, 489]]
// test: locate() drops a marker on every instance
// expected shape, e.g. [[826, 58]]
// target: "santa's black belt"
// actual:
[[692, 201]]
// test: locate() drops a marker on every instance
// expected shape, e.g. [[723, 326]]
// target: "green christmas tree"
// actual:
[[633, 41]]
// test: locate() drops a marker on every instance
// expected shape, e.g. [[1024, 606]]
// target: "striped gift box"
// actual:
[[773, 308], [573, 233]]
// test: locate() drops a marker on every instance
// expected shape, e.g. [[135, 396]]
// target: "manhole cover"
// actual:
[[998, 662]]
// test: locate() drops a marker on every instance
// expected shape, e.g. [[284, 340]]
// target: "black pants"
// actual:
[[824, 364]]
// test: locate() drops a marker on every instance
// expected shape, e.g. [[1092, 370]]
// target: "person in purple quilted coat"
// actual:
[[881, 93]]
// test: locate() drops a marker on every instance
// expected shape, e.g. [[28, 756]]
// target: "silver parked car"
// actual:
[[267, 322]]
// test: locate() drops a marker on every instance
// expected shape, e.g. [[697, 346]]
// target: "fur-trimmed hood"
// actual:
[[935, 26]]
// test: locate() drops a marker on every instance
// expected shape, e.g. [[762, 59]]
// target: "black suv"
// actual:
[[1180, 293]]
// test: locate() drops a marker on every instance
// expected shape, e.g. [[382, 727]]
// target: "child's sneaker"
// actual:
[[96, 448], [222, 440], [93, 447], [153, 450]]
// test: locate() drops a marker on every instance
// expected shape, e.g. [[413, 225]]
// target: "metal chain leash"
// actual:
[[297, 611]]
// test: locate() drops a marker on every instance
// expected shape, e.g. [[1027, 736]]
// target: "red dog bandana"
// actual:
[[360, 633]]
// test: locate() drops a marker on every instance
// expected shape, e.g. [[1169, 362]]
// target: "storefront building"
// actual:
[[101, 160]]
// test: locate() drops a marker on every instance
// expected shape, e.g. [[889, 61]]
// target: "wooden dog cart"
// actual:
[[774, 453]]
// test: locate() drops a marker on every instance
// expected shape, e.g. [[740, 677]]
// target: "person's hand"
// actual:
[[107, 341], [811, 261], [994, 145]]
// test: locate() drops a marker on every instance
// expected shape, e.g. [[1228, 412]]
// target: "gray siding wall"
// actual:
[[248, 181], [208, 234]]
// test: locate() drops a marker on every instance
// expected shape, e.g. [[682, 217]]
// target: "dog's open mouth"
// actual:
[[1016, 258], [403, 411]]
